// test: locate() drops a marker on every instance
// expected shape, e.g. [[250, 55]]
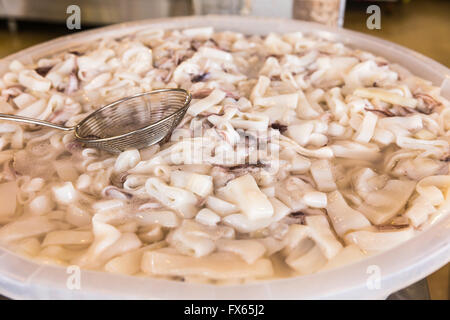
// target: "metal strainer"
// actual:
[[133, 122]]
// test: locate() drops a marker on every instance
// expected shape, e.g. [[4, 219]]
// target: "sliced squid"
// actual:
[[380, 206], [343, 217], [372, 241], [351, 253], [220, 265]]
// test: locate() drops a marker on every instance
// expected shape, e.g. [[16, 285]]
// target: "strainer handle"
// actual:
[[11, 117]]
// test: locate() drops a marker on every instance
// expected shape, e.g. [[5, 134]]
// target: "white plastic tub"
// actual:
[[21, 278]]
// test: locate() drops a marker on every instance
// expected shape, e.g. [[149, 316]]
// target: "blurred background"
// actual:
[[421, 25]]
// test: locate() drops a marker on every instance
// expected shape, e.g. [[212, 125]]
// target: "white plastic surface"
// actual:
[[399, 267]]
